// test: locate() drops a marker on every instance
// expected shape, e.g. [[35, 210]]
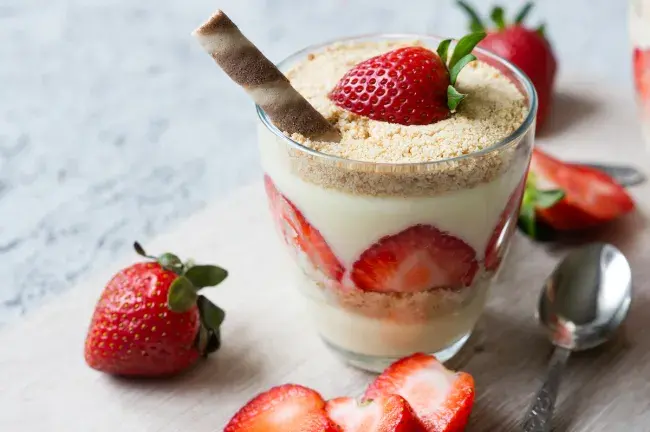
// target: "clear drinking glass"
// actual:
[[330, 212], [640, 37]]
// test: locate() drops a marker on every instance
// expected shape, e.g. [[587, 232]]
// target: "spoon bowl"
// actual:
[[587, 297]]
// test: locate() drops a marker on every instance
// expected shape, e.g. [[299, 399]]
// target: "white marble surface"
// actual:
[[114, 124]]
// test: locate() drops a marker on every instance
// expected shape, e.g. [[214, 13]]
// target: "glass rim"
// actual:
[[503, 143]]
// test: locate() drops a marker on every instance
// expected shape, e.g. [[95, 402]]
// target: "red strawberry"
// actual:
[[526, 48], [417, 259], [150, 321], [441, 399], [409, 86], [286, 408], [504, 229], [300, 234], [583, 197], [384, 414], [642, 74]]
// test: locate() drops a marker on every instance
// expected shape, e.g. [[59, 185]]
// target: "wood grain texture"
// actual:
[[45, 385]]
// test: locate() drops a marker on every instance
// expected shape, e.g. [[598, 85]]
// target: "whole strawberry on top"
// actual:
[[151, 321], [527, 48], [409, 86]]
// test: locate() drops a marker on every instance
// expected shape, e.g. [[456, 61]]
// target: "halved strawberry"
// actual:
[[284, 408], [300, 234], [417, 259], [504, 229], [384, 414], [642, 74], [441, 399], [581, 197], [409, 86]]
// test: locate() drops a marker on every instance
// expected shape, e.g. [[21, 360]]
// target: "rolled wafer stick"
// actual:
[[265, 84]]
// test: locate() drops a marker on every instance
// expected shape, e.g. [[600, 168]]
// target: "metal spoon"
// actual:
[[581, 305], [624, 175]]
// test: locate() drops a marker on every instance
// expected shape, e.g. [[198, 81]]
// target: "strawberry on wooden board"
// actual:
[[300, 235], [642, 74], [568, 196], [150, 319], [442, 399], [384, 414], [525, 47], [409, 86], [286, 408], [417, 259]]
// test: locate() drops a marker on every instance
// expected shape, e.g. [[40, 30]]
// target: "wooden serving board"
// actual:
[[45, 385]]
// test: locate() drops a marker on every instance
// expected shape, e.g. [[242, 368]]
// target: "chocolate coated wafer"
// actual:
[[262, 80]]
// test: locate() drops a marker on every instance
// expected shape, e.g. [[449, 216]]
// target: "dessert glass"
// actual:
[[337, 216], [640, 38]]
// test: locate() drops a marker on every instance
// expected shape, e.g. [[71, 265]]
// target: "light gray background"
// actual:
[[114, 124]]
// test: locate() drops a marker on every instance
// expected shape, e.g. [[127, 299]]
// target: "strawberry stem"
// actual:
[[461, 56], [523, 13], [476, 24], [454, 97], [443, 50], [498, 18], [534, 199]]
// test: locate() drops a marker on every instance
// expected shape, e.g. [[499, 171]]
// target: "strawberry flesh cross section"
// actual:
[[417, 259]]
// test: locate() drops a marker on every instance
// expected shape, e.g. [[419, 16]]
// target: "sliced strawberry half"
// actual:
[[504, 229], [383, 414], [642, 74], [590, 197], [441, 399], [300, 234], [417, 259], [284, 408]]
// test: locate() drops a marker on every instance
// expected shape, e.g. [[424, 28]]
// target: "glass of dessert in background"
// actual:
[[398, 230], [640, 36]]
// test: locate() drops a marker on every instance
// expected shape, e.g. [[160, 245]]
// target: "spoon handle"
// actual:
[[625, 175], [540, 414]]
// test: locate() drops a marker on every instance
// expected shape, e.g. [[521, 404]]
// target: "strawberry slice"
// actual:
[[590, 197], [441, 399], [300, 234], [284, 408], [504, 229], [383, 414], [642, 74], [417, 259]]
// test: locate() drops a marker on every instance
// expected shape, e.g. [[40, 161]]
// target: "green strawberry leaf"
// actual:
[[454, 71], [527, 221], [548, 198], [498, 18], [140, 250], [523, 13], [203, 276], [465, 46], [476, 24], [443, 50], [171, 262], [211, 315], [541, 30], [454, 98], [182, 295]]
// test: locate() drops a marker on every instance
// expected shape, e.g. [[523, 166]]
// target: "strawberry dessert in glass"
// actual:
[[399, 227], [640, 34]]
